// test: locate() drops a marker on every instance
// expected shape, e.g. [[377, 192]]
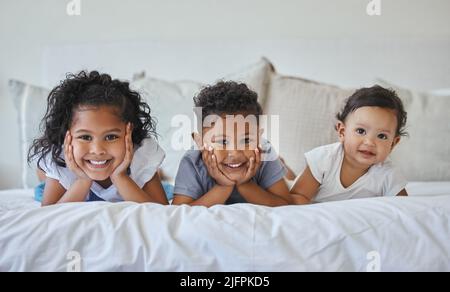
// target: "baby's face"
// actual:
[[234, 144], [369, 135], [98, 139]]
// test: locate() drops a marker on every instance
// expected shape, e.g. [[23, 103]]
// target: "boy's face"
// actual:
[[369, 135], [234, 140], [98, 139]]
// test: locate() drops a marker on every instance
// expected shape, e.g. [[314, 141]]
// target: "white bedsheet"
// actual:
[[389, 234], [428, 188], [23, 199], [17, 199]]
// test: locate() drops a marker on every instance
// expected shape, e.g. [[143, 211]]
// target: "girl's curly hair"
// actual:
[[88, 89]]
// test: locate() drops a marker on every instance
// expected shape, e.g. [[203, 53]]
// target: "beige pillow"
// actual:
[[307, 111], [425, 154], [257, 77]]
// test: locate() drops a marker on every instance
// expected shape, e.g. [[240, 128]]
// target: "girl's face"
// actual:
[[98, 139], [368, 135]]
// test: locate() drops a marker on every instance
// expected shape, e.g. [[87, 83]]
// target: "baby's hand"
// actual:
[[254, 164], [121, 169], [213, 169], [70, 160]]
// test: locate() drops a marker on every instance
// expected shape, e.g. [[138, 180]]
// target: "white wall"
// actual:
[[417, 31]]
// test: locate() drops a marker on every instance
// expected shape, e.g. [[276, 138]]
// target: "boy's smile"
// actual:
[[233, 168]]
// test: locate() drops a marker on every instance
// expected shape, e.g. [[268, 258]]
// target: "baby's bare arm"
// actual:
[[305, 188]]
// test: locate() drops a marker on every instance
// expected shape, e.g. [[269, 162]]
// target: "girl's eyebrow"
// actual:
[[115, 130]]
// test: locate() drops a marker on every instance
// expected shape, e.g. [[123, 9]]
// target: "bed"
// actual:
[[376, 234]]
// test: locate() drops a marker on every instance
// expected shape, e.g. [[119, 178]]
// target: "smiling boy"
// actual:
[[229, 166]]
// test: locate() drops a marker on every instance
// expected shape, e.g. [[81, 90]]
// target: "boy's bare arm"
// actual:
[[276, 195], [402, 193], [217, 195]]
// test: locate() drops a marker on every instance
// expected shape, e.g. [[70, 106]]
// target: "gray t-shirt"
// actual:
[[194, 181]]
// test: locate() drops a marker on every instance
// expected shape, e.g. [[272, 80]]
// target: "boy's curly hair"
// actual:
[[88, 89], [227, 97], [380, 97]]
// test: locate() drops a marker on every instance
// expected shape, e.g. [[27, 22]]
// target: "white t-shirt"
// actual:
[[146, 160], [325, 163]]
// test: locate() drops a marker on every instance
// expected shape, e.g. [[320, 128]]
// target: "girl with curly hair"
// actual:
[[98, 143]]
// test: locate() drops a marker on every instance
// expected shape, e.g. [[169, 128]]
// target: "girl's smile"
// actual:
[[97, 164]]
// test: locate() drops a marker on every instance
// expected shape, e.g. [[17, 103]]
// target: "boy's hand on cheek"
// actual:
[[70, 160], [254, 164], [210, 161], [121, 169]]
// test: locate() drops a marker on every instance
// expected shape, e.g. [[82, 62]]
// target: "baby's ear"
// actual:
[[340, 129], [395, 142], [198, 140]]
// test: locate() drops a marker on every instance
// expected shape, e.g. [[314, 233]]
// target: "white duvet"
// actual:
[[386, 234]]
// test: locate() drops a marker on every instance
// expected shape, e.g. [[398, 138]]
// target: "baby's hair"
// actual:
[[228, 97], [90, 89], [379, 97]]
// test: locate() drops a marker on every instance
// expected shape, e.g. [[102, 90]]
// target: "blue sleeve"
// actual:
[[270, 173], [188, 181]]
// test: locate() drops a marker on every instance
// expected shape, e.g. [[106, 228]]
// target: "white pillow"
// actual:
[[307, 111], [425, 154], [166, 99], [31, 104], [440, 92]]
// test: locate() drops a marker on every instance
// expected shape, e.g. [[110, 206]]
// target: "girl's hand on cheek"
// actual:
[[210, 161], [70, 160], [121, 169]]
